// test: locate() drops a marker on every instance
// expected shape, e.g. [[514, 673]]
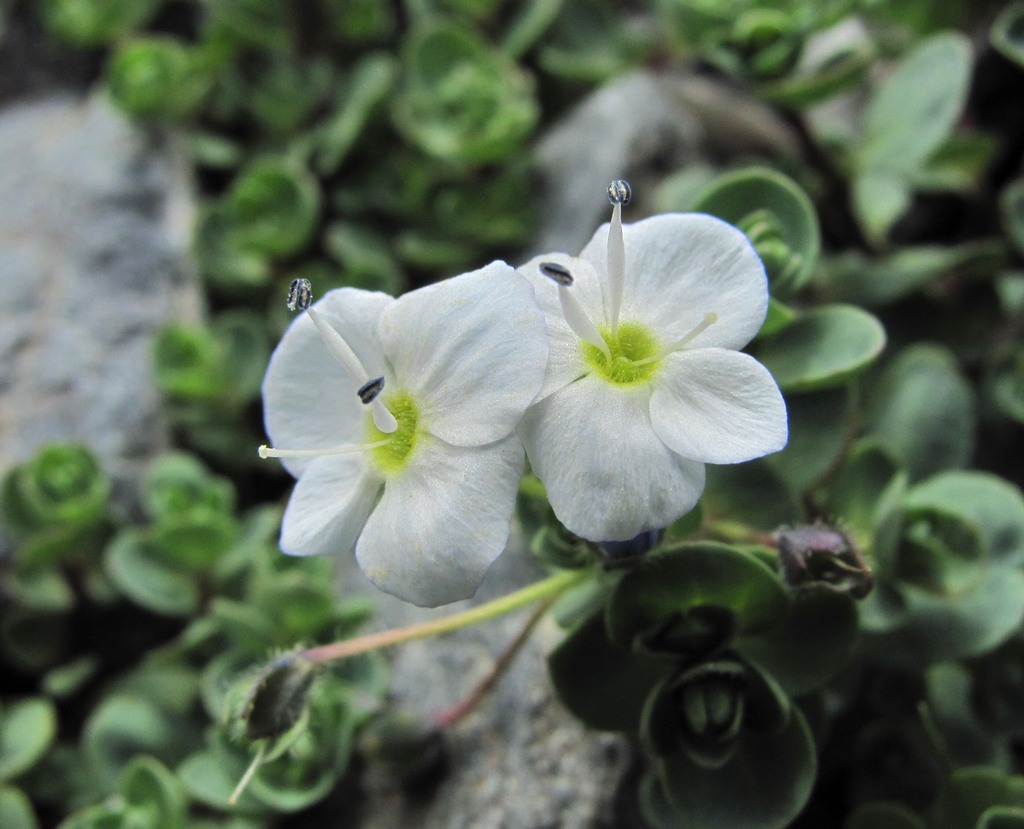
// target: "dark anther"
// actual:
[[559, 273], [300, 294], [370, 389]]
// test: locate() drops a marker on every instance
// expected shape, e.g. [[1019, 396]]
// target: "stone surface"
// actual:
[[641, 127], [520, 761], [94, 220]]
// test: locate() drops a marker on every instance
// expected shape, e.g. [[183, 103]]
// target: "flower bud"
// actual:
[[823, 556]]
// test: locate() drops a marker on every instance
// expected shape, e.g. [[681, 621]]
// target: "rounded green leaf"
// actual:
[[600, 683], [883, 815], [855, 493], [810, 645], [145, 576], [147, 784], [925, 627], [819, 428], [274, 206], [765, 784], [994, 505], [1002, 817], [16, 809], [461, 100], [915, 110], [922, 410], [969, 792], [776, 215], [94, 22], [61, 485], [822, 348], [693, 597], [27, 729], [1007, 33], [1011, 203], [158, 77]]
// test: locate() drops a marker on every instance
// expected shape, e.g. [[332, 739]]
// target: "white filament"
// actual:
[[616, 267], [268, 452], [710, 318]]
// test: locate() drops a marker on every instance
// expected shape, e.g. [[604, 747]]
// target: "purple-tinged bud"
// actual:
[[823, 556]]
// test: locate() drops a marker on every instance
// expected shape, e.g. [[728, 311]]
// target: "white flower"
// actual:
[[645, 383], [418, 473]]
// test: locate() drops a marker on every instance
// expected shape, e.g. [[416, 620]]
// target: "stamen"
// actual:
[[370, 389], [300, 295], [710, 318], [577, 318], [619, 193], [559, 273], [267, 452]]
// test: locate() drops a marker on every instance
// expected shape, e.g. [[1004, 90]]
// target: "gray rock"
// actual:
[[640, 127], [519, 761], [94, 221]]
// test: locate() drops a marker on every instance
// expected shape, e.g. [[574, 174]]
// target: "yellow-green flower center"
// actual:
[[630, 347], [398, 446]]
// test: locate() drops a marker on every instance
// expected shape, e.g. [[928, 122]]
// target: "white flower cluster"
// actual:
[[617, 370]]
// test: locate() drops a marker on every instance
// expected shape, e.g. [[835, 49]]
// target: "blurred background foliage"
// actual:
[[385, 145]]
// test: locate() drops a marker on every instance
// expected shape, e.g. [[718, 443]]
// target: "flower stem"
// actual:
[[450, 716], [551, 586]]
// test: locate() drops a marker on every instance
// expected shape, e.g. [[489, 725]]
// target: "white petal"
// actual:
[[472, 351], [565, 358], [680, 266], [718, 406], [309, 401], [329, 506], [442, 521], [608, 476]]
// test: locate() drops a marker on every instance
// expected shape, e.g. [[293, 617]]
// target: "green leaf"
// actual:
[[880, 197], [125, 725], [883, 815], [992, 504], [27, 729], [601, 684], [822, 348], [62, 485], [459, 99], [853, 277], [912, 114], [819, 428], [969, 792], [810, 645], [855, 492], [923, 411], [1007, 33], [369, 83], [749, 493], [765, 784], [274, 206], [1002, 817], [95, 22], [211, 776], [1011, 203], [144, 575], [158, 77], [148, 785], [16, 809], [776, 215], [925, 627], [691, 598]]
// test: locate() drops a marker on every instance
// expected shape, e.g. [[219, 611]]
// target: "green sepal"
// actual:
[[277, 698], [603, 685], [690, 599]]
